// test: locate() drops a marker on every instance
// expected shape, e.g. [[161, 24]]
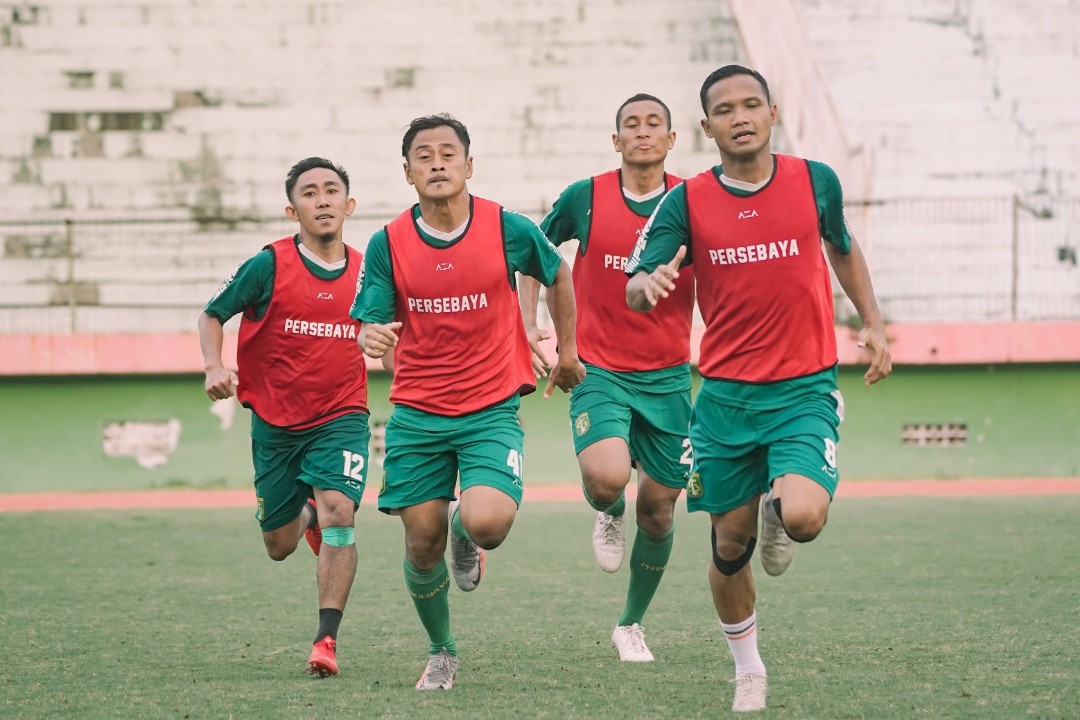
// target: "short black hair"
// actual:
[[430, 122], [639, 98], [726, 72], [310, 164]]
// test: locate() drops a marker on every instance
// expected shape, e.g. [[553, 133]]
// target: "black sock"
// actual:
[[329, 621]]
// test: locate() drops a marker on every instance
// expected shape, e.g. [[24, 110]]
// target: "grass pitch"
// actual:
[[913, 607]]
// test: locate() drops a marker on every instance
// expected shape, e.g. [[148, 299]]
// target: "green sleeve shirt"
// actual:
[[376, 299], [527, 252], [570, 216], [249, 287]]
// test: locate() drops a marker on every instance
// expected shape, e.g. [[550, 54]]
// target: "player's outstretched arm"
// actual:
[[376, 339], [220, 381], [854, 277], [529, 298], [644, 290], [568, 370]]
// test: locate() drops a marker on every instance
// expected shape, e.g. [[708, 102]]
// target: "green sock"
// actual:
[[457, 528], [430, 594], [615, 509], [648, 560]]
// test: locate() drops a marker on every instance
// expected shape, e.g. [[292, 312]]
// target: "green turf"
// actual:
[[904, 608]]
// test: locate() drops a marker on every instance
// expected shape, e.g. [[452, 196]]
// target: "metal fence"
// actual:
[[933, 260], [976, 259]]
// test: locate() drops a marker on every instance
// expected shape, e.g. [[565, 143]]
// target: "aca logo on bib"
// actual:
[[581, 424]]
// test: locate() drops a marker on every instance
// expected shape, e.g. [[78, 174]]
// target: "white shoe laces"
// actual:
[[612, 531], [439, 670], [750, 692], [635, 638]]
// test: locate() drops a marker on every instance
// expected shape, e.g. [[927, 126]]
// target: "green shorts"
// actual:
[[739, 452], [425, 453], [654, 425], [332, 456]]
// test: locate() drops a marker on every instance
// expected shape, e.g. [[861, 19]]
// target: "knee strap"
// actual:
[[338, 536], [730, 567]]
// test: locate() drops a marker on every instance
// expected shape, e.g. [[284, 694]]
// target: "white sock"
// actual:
[[742, 641]]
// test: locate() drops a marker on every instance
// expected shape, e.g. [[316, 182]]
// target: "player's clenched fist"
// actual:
[[220, 383], [375, 339]]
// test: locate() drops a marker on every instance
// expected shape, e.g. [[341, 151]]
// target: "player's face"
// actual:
[[437, 165], [739, 118], [644, 137], [320, 203]]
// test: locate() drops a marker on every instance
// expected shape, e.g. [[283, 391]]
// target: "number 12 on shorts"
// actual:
[[354, 465]]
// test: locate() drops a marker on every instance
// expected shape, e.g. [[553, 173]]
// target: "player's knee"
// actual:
[[604, 486], [655, 518], [336, 510], [490, 536], [278, 550], [337, 516], [424, 551], [804, 524], [731, 553]]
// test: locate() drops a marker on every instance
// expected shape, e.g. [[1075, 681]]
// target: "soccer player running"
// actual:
[[765, 420], [439, 293], [633, 408], [305, 381]]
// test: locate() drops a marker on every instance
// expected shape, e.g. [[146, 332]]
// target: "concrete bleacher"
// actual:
[[513, 73], [218, 98], [972, 103], [187, 112], [964, 96]]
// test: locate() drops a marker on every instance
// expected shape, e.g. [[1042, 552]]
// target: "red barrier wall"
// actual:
[[944, 344]]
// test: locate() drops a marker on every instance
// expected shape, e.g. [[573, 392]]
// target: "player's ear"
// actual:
[[468, 167], [671, 140], [350, 206], [705, 127], [615, 142], [408, 177], [290, 212], [774, 115]]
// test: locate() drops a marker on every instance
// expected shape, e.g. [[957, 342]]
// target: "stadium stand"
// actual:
[[192, 112], [142, 146]]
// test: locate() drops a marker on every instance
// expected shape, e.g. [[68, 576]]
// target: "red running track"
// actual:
[[153, 499]]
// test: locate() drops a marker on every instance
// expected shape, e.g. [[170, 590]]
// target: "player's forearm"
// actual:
[[854, 276], [211, 340], [564, 312], [635, 292], [529, 298]]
